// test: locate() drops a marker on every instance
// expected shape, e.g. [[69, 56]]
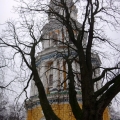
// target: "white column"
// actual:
[[43, 75], [79, 74], [98, 84], [36, 90], [100, 81], [55, 74], [66, 76], [60, 37], [97, 72], [32, 90], [61, 72], [74, 70], [65, 35]]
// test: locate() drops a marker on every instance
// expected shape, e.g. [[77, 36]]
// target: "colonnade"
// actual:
[[58, 68]]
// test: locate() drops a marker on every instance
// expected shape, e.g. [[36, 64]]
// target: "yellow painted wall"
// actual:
[[63, 111]]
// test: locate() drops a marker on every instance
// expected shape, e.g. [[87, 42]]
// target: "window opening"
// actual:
[[50, 79]]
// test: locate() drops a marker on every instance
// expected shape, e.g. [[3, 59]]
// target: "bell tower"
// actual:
[[53, 69]]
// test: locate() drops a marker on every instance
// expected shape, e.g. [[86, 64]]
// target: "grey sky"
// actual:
[[6, 10]]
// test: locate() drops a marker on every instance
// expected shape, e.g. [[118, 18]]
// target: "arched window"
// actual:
[[50, 80], [54, 39]]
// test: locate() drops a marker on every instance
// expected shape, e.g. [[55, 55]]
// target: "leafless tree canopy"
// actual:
[[24, 37]]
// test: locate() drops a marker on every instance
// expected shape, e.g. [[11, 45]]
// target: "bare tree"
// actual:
[[3, 106], [25, 40], [16, 112]]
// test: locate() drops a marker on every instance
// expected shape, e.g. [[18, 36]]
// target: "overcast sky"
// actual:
[[6, 10]]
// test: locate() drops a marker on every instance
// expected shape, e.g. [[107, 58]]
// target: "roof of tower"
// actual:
[[55, 24], [56, 4]]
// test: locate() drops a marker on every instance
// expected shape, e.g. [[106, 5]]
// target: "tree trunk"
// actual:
[[72, 95], [46, 107], [91, 114]]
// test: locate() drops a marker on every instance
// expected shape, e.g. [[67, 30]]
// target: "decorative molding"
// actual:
[[53, 98], [95, 60]]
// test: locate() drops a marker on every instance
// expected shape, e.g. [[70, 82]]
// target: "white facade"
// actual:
[[53, 69], [50, 61]]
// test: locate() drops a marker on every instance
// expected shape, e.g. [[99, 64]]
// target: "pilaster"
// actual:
[[55, 74]]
